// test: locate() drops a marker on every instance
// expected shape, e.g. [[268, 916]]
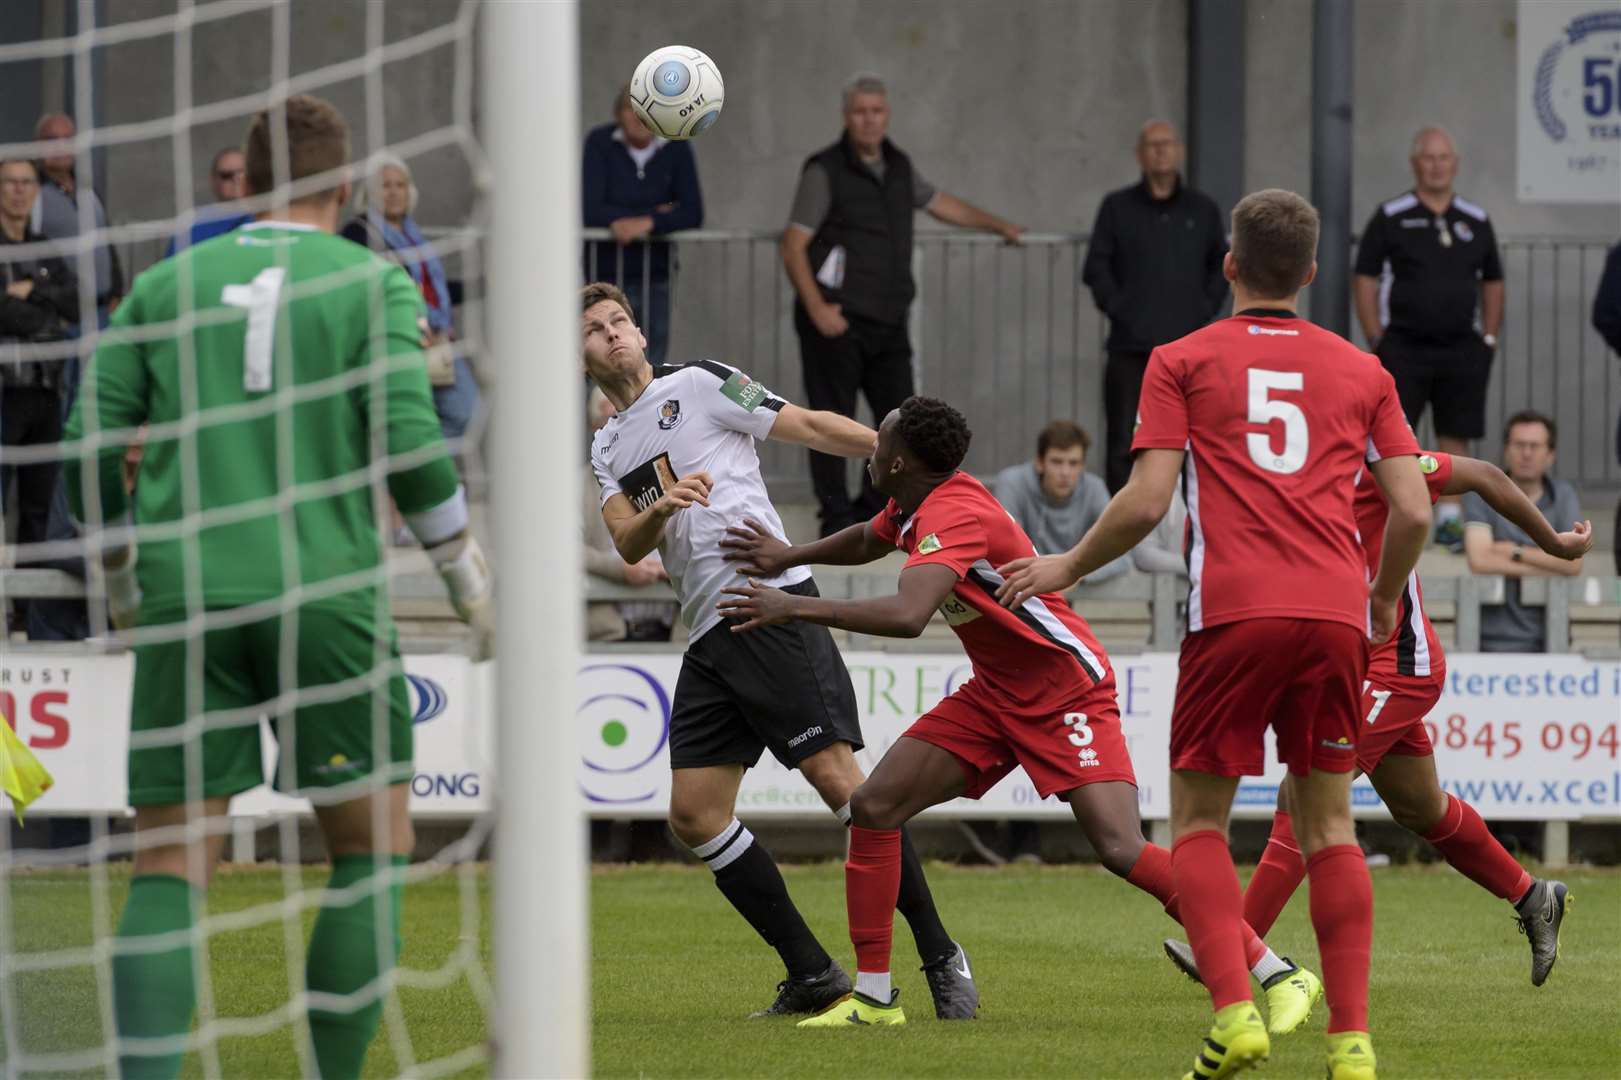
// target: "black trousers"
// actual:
[[872, 358], [1122, 384], [30, 416]]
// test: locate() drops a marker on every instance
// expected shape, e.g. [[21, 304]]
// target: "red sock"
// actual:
[[1342, 915], [872, 881], [1152, 874], [1203, 871], [1279, 874], [1465, 842]]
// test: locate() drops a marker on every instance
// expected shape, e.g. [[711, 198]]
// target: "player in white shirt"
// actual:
[[677, 467]]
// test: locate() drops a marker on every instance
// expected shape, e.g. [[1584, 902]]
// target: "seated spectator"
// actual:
[[644, 620], [227, 175], [385, 225], [1494, 546], [1053, 498], [1162, 551]]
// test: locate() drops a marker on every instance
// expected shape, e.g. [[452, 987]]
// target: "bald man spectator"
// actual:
[[227, 176], [1154, 268], [847, 251], [1435, 330], [56, 211]]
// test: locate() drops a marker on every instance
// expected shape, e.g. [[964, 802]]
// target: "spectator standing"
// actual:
[[40, 305], [608, 620], [1154, 267], [56, 215], [1440, 255], [638, 185], [1053, 498], [386, 226], [227, 175], [847, 251], [1607, 321], [1496, 546]]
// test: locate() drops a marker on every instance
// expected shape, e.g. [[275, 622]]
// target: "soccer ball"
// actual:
[[677, 92]]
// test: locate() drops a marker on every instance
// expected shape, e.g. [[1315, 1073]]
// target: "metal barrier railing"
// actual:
[[1158, 599], [1010, 335]]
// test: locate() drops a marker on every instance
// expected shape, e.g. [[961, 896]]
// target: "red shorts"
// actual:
[[1062, 747], [1394, 708], [1301, 677]]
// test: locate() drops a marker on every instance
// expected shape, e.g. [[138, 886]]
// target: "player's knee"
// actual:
[[1118, 851], [873, 808], [1418, 815], [693, 825]]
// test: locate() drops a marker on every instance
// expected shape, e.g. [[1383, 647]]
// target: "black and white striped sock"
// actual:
[[725, 849], [747, 876]]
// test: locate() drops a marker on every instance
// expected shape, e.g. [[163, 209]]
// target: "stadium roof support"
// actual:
[[1331, 88]]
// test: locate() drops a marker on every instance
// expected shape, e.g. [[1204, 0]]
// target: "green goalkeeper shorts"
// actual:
[[346, 715]]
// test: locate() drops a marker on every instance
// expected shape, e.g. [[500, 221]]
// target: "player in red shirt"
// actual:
[[1406, 675], [1042, 694], [1268, 420]]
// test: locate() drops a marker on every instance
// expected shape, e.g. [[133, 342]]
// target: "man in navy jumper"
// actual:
[[638, 185]]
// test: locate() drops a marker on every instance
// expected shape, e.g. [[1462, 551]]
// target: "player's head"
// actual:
[[1274, 252], [923, 440], [612, 345], [1434, 160], [866, 112], [1530, 445], [316, 140], [1060, 458]]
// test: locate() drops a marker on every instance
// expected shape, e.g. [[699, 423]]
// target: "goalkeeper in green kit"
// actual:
[[280, 369]]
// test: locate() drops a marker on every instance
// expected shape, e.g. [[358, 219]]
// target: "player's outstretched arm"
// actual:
[[904, 615], [1130, 516], [825, 431], [636, 534], [1405, 532], [759, 554], [1503, 495]]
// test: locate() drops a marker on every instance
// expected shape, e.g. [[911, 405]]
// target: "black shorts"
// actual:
[[782, 688], [1451, 379]]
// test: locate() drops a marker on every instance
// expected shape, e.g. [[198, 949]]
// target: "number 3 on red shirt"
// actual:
[[1264, 410]]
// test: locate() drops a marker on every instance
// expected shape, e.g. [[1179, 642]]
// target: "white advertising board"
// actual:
[[1519, 736], [1569, 100]]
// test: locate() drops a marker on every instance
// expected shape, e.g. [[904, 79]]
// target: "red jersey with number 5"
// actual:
[[1414, 649], [1277, 417], [1042, 652]]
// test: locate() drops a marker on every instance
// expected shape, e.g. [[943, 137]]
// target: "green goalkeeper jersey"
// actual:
[[276, 390]]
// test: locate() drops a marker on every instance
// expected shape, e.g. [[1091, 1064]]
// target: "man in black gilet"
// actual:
[[848, 253]]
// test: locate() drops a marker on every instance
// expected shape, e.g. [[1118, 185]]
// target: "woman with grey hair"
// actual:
[[384, 224]]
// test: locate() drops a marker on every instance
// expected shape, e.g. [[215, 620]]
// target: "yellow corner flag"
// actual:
[[21, 775]]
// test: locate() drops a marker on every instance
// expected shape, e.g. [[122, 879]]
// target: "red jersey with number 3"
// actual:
[[1277, 416], [1040, 653], [1414, 649]]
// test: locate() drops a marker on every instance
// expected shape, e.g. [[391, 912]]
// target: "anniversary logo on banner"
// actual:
[[1569, 101]]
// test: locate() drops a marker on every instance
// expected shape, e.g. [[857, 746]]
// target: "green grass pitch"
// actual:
[[1068, 959]]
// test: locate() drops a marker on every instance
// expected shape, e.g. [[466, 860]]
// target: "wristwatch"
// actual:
[[1519, 553], [1490, 340]]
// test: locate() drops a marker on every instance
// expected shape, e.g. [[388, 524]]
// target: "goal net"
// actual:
[[233, 433]]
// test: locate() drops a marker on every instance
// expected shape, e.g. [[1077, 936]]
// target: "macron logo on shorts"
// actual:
[[808, 733]]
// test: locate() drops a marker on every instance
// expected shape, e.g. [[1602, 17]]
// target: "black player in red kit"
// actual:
[[1042, 694]]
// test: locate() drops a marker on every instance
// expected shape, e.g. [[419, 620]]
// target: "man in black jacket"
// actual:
[[848, 253], [1607, 321], [39, 305], [1154, 268]]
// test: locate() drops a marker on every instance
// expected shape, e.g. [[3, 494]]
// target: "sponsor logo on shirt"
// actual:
[[647, 482], [1415, 223], [747, 393], [1273, 331], [929, 544], [669, 414], [956, 612], [1428, 463]]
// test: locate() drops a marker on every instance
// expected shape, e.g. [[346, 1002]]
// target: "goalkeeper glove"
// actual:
[[122, 587], [466, 575]]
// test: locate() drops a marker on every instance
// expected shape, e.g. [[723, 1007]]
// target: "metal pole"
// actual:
[[531, 100], [1216, 100], [1331, 72]]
